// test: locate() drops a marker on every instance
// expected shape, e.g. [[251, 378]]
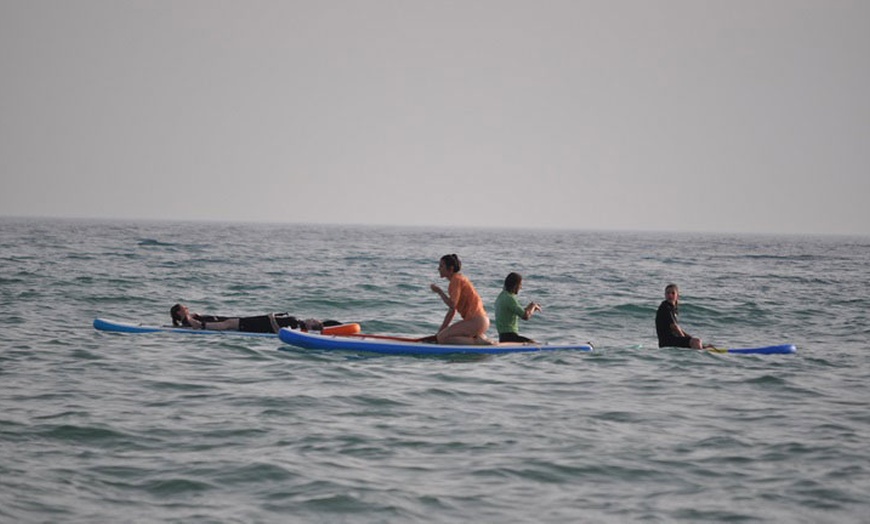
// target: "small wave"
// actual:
[[83, 434], [628, 311], [153, 242], [176, 487]]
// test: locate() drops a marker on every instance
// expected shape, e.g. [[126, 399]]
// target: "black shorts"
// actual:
[[513, 337], [258, 324], [262, 324], [675, 342]]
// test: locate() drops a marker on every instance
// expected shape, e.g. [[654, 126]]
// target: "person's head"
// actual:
[[672, 293], [513, 282], [449, 263], [178, 312]]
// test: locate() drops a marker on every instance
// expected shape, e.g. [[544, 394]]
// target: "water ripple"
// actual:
[[99, 427]]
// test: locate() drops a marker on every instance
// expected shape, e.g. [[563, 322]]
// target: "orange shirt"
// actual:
[[463, 294]]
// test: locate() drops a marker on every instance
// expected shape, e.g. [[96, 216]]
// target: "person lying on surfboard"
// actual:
[[463, 298], [508, 310], [669, 332], [271, 323]]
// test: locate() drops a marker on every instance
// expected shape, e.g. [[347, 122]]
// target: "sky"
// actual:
[[662, 115]]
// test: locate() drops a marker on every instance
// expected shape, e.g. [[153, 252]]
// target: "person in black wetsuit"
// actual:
[[271, 323], [669, 332]]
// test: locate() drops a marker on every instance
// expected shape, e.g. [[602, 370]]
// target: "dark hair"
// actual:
[[677, 289], [452, 262], [512, 282], [173, 312]]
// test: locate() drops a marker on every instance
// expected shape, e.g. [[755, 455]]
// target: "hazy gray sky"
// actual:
[[732, 115]]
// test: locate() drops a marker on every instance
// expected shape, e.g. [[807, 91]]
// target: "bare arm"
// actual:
[[451, 308], [437, 289], [448, 318], [530, 310], [678, 331], [231, 324]]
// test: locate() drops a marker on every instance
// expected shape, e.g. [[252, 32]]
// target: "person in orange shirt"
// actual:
[[461, 297]]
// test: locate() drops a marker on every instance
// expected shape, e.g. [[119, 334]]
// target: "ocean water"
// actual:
[[104, 427]]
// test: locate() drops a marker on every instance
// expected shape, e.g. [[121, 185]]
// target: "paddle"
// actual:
[[427, 339]]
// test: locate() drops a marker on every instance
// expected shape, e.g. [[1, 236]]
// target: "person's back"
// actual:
[[507, 313], [508, 310], [666, 316], [469, 303]]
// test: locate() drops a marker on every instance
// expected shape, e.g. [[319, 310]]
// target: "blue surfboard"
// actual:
[[115, 326], [782, 349]]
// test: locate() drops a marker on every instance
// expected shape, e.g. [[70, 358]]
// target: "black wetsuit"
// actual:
[[204, 318], [261, 323], [666, 316]]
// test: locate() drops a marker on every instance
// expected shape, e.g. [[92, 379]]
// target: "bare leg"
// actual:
[[275, 327], [231, 324], [465, 332]]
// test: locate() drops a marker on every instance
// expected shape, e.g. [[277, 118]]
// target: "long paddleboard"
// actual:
[[398, 346], [115, 326], [782, 349]]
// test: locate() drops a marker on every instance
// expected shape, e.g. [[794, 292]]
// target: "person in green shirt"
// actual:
[[508, 310]]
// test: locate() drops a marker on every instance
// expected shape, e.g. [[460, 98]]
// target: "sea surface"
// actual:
[[106, 427]]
